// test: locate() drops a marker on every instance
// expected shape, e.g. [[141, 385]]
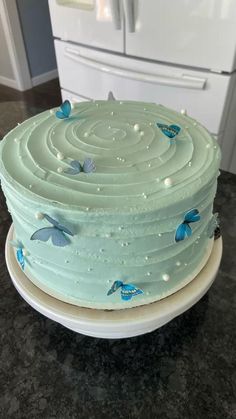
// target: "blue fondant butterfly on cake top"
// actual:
[[184, 230], [171, 131], [65, 110], [58, 233], [76, 167], [127, 292]]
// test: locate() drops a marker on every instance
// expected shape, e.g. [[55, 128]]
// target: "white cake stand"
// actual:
[[119, 323]]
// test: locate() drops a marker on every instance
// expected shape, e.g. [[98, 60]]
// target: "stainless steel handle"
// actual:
[[129, 14], [115, 12], [184, 81]]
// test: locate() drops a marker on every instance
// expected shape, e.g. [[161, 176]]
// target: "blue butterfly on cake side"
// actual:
[[184, 230], [21, 253], [128, 291], [65, 110], [58, 233], [76, 167]]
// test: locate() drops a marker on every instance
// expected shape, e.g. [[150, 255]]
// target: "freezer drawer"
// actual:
[[73, 98], [89, 22], [92, 74]]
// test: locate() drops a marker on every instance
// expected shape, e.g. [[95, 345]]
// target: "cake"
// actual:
[[111, 201]]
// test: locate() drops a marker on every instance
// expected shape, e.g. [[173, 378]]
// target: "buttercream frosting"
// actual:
[[123, 215]]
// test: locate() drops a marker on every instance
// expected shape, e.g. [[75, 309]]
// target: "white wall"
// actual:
[[6, 69]]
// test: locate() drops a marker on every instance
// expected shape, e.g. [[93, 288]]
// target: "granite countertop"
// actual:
[[186, 369]]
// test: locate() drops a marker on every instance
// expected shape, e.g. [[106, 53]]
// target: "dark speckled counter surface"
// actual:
[[185, 370]]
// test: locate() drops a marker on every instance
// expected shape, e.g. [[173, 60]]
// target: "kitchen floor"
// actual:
[[184, 370]]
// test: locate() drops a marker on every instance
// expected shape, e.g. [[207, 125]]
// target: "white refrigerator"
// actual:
[[177, 53]]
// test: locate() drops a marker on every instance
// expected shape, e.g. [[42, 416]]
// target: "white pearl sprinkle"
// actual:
[[30, 186], [178, 263], [98, 189], [25, 252], [86, 134], [195, 124], [168, 182], [66, 261], [208, 146], [136, 127], [149, 274], [123, 160], [185, 264], [59, 170], [101, 250], [141, 133], [60, 156], [148, 146], [144, 195], [159, 234], [39, 215], [146, 257], [108, 235], [120, 228], [121, 102], [90, 269], [165, 277], [108, 281], [149, 164], [16, 140], [87, 208], [51, 111], [112, 113], [190, 164], [150, 123], [183, 112]]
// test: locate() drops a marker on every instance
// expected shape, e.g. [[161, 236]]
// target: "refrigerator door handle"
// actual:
[[129, 14], [115, 13], [184, 81]]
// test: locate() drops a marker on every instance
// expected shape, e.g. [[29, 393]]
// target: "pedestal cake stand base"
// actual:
[[118, 323]]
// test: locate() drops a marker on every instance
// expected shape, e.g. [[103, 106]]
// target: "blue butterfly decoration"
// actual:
[[65, 110], [20, 257], [57, 233], [19, 253], [169, 130], [111, 96], [184, 229], [128, 291], [77, 167]]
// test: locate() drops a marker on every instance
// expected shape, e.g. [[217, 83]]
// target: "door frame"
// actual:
[[15, 43]]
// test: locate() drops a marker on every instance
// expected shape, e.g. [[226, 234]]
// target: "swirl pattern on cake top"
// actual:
[[124, 214]]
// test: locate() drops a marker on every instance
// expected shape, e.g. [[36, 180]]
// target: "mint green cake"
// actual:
[[111, 201]]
